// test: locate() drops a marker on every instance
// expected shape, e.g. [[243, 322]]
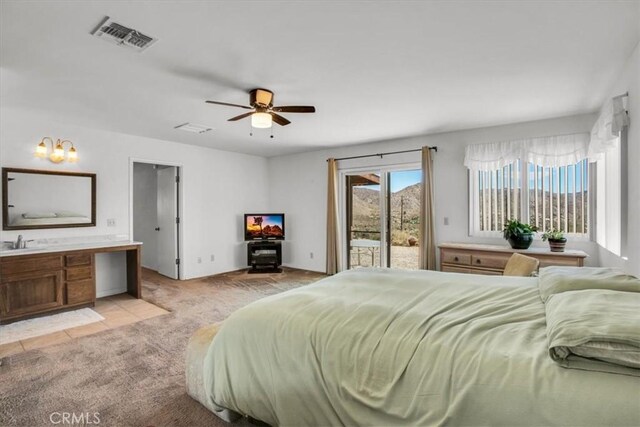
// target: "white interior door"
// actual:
[[167, 222]]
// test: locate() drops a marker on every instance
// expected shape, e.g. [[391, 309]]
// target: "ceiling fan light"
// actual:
[[261, 120]]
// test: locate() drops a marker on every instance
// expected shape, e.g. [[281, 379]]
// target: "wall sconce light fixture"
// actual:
[[57, 154]]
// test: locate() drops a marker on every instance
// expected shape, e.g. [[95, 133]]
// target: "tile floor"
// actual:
[[117, 310]]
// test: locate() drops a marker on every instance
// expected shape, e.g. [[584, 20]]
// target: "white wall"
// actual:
[[145, 212], [629, 81], [218, 186], [297, 184]]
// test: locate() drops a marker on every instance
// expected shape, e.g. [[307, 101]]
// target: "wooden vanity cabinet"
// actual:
[[31, 285]]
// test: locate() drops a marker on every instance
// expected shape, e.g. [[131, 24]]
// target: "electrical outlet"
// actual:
[[311, 255], [199, 260], [446, 220], [213, 257], [111, 222]]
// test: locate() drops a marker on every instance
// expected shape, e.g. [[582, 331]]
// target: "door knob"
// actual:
[[157, 228]]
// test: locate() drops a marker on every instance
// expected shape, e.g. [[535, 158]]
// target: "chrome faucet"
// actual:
[[20, 243]]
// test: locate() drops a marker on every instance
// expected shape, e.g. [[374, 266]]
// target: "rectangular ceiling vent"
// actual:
[[193, 127], [118, 34]]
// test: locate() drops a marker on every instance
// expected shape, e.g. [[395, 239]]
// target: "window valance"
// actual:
[[548, 151], [604, 135]]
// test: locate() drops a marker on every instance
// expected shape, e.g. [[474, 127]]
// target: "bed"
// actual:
[[390, 347]]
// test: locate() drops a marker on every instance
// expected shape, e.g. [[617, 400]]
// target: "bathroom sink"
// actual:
[[22, 251]]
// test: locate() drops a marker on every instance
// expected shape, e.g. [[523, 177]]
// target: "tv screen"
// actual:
[[264, 226]]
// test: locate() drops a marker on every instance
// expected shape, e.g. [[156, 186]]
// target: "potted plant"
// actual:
[[556, 239], [519, 235]]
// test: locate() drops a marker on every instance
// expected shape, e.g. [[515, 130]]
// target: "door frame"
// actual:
[[181, 205], [384, 170]]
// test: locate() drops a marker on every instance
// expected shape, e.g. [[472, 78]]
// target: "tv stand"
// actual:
[[264, 256]]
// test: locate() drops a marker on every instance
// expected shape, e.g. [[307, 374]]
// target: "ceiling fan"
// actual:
[[264, 113]]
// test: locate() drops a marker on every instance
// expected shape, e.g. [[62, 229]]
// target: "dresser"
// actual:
[[37, 282], [491, 259]]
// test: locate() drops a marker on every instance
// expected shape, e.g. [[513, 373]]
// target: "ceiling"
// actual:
[[374, 70]]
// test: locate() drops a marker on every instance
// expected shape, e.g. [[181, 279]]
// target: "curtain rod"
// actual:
[[385, 154]]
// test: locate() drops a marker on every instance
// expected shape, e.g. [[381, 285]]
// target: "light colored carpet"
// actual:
[[46, 325], [133, 375]]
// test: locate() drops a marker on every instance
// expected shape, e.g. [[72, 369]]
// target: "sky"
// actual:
[[400, 180]]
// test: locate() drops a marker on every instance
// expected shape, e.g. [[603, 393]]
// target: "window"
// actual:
[[548, 197]]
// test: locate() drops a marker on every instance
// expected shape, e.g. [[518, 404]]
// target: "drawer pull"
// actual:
[[477, 261], [455, 259]]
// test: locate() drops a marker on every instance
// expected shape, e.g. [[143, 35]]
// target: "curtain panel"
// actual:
[[547, 151], [334, 248], [427, 214], [605, 132]]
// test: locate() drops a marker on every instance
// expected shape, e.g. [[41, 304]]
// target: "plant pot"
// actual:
[[521, 241], [557, 245]]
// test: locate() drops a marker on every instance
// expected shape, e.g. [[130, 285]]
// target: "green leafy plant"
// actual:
[[514, 229], [553, 234]]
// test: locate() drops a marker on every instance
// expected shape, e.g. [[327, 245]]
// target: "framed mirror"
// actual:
[[34, 199]]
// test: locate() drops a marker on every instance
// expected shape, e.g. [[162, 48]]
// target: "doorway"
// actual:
[[383, 217], [156, 216]]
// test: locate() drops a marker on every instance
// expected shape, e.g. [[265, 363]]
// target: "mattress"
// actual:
[[390, 347]]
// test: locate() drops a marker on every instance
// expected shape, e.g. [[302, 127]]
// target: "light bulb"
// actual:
[[72, 155], [261, 120], [41, 150]]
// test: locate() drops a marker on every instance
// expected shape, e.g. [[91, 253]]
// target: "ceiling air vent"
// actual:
[[115, 33], [193, 127]]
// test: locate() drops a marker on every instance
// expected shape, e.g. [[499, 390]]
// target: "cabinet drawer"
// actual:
[[79, 273], [452, 257], [78, 259], [563, 261], [485, 272], [80, 291], [27, 264], [452, 269], [490, 260]]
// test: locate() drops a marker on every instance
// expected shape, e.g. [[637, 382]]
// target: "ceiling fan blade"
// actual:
[[279, 119], [241, 116], [295, 109], [229, 105]]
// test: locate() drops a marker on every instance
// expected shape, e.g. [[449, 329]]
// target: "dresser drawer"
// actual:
[[25, 264], [80, 291], [450, 269], [490, 260], [77, 260], [453, 257], [79, 273], [568, 262], [485, 272]]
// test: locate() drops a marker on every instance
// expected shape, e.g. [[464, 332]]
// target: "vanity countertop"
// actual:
[[78, 246]]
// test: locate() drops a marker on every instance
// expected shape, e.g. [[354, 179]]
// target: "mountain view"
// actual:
[[366, 214]]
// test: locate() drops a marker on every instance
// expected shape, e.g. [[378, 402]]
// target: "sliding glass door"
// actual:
[[364, 219], [404, 218], [383, 218]]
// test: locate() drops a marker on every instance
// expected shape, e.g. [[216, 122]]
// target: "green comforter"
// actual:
[[386, 348]]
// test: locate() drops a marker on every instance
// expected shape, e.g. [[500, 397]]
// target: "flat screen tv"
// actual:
[[264, 226]]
